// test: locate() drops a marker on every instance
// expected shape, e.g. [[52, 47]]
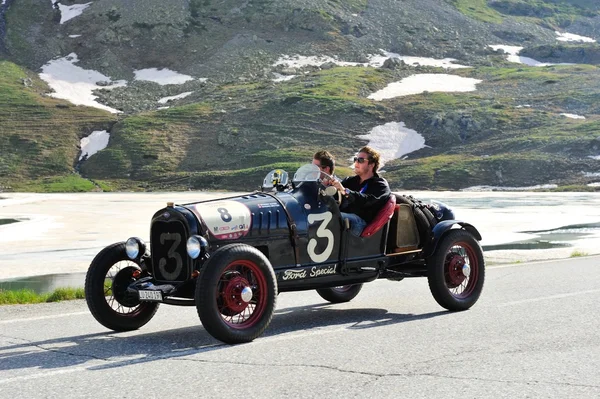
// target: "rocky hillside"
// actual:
[[265, 83]]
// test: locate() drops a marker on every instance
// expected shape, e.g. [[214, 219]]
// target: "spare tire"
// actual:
[[423, 217]]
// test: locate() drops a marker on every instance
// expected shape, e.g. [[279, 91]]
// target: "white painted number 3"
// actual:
[[322, 232]]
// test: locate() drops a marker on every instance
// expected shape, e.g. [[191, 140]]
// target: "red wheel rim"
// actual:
[[461, 270], [236, 310]]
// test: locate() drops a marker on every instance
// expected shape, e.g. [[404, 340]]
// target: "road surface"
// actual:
[[535, 333]]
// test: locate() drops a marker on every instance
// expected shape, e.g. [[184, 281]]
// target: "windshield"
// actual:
[[308, 172]]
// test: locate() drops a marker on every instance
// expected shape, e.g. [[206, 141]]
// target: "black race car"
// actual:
[[231, 257]]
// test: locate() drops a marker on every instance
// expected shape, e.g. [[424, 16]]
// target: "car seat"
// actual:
[[382, 217]]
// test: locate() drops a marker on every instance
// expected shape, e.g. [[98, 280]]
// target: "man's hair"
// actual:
[[325, 159], [374, 156]]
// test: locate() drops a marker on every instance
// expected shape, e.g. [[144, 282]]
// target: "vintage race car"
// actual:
[[231, 257]]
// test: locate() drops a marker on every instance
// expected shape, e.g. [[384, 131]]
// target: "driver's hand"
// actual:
[[338, 186]]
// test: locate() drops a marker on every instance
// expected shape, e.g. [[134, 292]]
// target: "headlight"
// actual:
[[196, 246], [134, 247]]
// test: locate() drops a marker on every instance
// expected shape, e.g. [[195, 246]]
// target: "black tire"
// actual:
[[454, 287], [106, 282], [423, 227], [343, 293], [430, 218], [219, 294]]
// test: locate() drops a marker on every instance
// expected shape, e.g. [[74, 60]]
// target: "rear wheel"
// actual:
[[342, 293], [236, 294], [456, 271], [106, 282]]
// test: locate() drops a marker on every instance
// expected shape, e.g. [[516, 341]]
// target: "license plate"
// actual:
[[150, 295]]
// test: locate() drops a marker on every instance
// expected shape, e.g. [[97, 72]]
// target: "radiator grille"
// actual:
[[170, 261]]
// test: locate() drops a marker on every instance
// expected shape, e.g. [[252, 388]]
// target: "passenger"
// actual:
[[324, 160], [364, 194]]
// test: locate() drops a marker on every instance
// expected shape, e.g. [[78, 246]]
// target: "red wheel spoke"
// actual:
[[240, 276], [460, 270]]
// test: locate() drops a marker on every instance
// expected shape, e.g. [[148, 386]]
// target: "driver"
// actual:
[[365, 193]]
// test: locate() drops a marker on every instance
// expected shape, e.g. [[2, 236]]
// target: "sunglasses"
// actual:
[[360, 159]]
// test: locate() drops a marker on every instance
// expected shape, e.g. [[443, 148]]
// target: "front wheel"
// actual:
[[343, 293], [236, 294], [456, 271], [106, 282]]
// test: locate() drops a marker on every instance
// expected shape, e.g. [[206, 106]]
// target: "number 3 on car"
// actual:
[[322, 232]]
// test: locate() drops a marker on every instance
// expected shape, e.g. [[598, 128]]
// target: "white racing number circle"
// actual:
[[225, 219]]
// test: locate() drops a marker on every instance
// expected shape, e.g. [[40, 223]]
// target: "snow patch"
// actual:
[[374, 60], [596, 157], [393, 140], [93, 143], [69, 12], [416, 84], [499, 188], [74, 36], [572, 116], [513, 56], [75, 84], [282, 78], [165, 100], [571, 37], [595, 184], [162, 76], [448, 63]]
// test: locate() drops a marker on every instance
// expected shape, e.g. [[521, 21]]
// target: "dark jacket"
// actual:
[[365, 199]]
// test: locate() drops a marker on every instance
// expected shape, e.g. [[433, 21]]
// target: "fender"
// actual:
[[443, 227]]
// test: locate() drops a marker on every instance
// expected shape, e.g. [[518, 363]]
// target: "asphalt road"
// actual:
[[535, 333]]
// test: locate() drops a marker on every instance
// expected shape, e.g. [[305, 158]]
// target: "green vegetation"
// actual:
[[577, 254], [39, 135], [553, 12], [485, 137], [478, 9], [26, 296], [56, 184]]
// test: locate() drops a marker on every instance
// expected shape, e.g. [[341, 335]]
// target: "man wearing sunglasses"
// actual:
[[365, 193]]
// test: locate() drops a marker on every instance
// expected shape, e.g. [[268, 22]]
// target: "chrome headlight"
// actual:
[[134, 246], [196, 246]]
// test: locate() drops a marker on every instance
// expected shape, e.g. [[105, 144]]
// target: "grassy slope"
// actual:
[[552, 12], [516, 135], [241, 133], [486, 137], [39, 135], [234, 138]]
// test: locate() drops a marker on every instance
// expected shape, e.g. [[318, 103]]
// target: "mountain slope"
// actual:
[[39, 136], [235, 122]]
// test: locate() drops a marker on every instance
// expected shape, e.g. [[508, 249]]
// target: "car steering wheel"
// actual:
[[332, 191]]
